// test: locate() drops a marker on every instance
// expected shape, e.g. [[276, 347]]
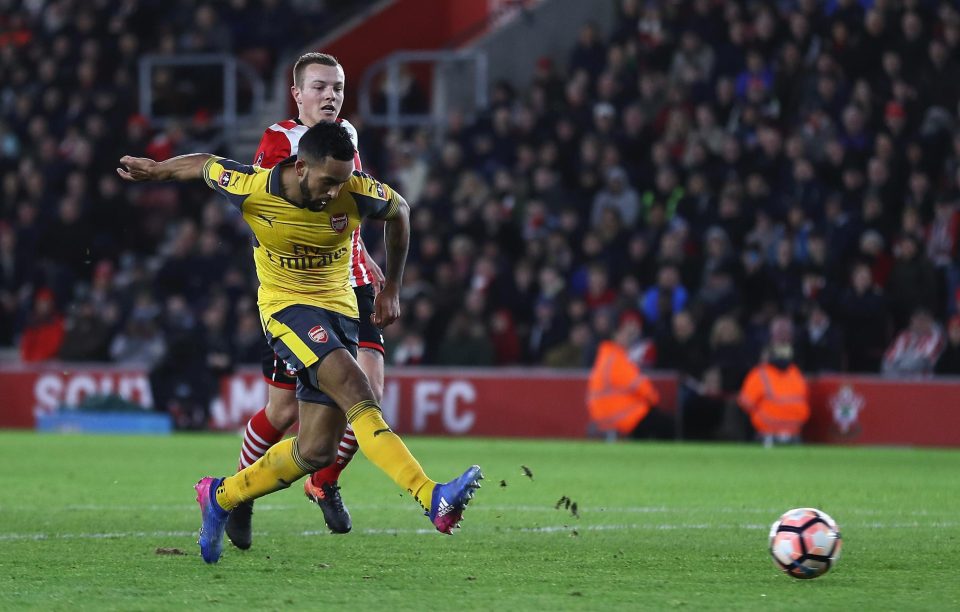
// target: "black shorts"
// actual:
[[303, 336], [370, 337]]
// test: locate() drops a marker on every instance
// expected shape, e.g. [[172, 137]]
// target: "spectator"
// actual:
[[821, 346], [466, 343], [873, 251], [729, 353], [87, 335], [408, 349], [618, 196], [589, 54], [505, 338], [575, 352], [812, 137], [184, 377], [784, 276], [248, 340], [912, 283], [703, 406], [776, 397], [620, 399], [69, 237], [141, 342], [666, 297], [43, 334], [218, 341], [11, 280], [915, 350], [548, 330], [757, 75], [642, 350], [863, 313], [949, 360], [942, 237], [681, 348], [598, 294], [693, 61]]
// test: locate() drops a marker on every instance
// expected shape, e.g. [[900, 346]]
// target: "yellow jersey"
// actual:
[[301, 256]]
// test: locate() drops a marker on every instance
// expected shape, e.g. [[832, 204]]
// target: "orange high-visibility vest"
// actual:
[[619, 396], [776, 400]]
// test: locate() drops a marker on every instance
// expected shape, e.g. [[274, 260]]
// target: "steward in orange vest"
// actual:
[[775, 396], [619, 396]]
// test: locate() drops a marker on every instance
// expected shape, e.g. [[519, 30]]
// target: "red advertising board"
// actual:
[[26, 391], [479, 402], [870, 410], [492, 402], [509, 402]]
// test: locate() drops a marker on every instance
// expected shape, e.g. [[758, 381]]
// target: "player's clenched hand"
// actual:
[[386, 306], [137, 168]]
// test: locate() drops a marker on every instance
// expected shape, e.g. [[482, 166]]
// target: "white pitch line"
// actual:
[[546, 529], [14, 537], [480, 507]]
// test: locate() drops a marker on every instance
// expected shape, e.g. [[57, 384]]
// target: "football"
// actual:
[[805, 542]]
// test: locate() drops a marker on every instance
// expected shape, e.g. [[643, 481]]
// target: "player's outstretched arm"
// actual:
[[396, 238], [181, 168]]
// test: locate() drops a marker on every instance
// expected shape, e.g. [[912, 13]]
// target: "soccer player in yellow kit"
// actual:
[[318, 86], [302, 213]]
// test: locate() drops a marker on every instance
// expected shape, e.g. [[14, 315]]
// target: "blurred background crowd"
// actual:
[[705, 168]]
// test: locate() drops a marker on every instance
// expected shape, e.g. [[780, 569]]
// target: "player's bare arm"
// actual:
[[396, 238], [375, 270], [181, 168]]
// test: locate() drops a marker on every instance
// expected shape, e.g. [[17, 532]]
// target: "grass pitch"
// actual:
[[85, 520]]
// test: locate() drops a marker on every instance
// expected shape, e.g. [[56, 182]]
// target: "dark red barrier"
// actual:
[[492, 402], [510, 402], [868, 410], [26, 391]]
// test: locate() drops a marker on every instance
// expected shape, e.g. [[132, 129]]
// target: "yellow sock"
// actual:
[[388, 452], [280, 467]]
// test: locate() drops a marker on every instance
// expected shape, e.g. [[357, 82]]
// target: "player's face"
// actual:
[[321, 182], [320, 96]]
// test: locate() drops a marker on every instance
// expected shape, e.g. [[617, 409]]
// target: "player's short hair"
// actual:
[[314, 57], [326, 139]]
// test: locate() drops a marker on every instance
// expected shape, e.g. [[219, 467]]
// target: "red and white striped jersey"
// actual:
[[280, 141], [914, 353]]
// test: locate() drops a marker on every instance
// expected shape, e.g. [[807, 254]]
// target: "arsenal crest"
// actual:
[[339, 222], [224, 178], [317, 334]]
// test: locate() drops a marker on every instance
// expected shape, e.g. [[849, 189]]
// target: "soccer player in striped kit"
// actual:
[[318, 83]]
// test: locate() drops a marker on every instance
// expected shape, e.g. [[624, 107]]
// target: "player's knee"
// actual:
[[319, 452], [283, 410]]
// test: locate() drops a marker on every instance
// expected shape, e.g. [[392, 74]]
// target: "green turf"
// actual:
[[660, 527]]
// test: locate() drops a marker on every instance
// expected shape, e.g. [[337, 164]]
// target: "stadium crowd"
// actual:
[[706, 167]]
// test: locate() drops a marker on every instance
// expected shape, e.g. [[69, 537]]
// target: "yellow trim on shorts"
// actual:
[[283, 333]]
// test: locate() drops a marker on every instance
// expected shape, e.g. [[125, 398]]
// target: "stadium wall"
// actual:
[[508, 402], [398, 25]]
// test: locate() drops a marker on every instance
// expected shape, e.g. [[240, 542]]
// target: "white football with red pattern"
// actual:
[[805, 542]]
